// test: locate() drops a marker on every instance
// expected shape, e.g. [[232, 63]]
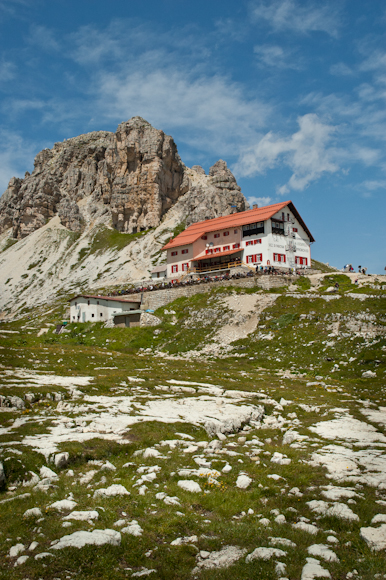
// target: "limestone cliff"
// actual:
[[132, 177]]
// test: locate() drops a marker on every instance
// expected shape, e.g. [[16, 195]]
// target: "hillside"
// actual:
[[242, 436], [97, 210]]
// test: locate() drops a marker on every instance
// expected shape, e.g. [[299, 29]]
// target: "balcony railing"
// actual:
[[214, 267]]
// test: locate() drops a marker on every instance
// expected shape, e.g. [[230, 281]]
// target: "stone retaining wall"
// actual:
[[157, 298]]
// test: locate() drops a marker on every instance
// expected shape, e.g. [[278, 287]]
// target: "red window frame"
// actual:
[[174, 253], [217, 250], [258, 241], [279, 258], [235, 231], [184, 251], [254, 258], [225, 248], [301, 261], [226, 234], [294, 229], [209, 251], [216, 235], [204, 237], [174, 269], [185, 266], [236, 246]]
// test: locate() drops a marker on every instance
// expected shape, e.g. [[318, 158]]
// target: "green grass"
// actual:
[[9, 243]]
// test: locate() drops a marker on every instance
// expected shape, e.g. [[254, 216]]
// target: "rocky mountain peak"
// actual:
[[134, 175]]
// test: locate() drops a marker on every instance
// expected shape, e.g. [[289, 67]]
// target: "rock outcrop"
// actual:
[[135, 174]]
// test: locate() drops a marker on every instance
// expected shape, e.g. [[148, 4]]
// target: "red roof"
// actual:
[[217, 255], [195, 231], [115, 298]]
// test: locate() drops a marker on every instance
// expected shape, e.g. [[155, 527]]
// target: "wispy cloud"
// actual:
[[44, 38], [300, 17], [308, 153], [261, 201], [274, 56], [340, 69], [7, 71], [15, 156]]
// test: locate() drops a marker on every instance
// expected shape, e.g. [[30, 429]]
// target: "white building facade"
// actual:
[[272, 235], [86, 308]]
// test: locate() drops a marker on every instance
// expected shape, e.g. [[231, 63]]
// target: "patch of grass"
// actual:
[[321, 266], [9, 243], [107, 238], [303, 283]]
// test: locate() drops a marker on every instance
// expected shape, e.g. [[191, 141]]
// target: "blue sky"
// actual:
[[291, 93]]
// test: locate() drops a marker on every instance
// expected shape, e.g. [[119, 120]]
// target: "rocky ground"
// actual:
[[243, 436]]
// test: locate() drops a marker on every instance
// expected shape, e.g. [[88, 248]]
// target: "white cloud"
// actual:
[[301, 17], [210, 112], [274, 56], [308, 153], [261, 201], [7, 71], [373, 185], [16, 155], [43, 37], [340, 69]]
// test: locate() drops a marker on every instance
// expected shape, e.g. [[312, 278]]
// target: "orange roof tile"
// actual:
[[193, 232], [216, 255]]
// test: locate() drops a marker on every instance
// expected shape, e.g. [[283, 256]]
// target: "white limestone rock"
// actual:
[[375, 538], [223, 558], [21, 560], [133, 528], [16, 550], [61, 459], [323, 551], [63, 505], [313, 570], [47, 473], [111, 491], [280, 459], [82, 516], [189, 485], [304, 527], [33, 512], [94, 538], [243, 481], [265, 554]]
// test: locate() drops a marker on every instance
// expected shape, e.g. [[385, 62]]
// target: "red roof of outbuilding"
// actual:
[[114, 298], [193, 232]]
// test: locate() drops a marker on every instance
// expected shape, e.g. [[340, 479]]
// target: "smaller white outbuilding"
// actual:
[[123, 311]]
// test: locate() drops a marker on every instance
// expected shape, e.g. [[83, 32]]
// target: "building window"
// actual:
[[253, 229], [92, 316], [254, 258], [235, 246], [288, 217], [282, 216], [235, 231], [208, 251], [76, 303], [184, 251], [277, 227], [258, 241], [279, 258], [226, 234], [174, 269], [301, 261], [185, 267], [249, 243], [217, 250], [204, 237], [101, 314], [294, 229], [73, 318], [88, 302], [216, 235], [174, 253], [97, 301], [225, 248]]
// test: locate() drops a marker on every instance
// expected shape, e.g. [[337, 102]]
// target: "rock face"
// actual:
[[135, 175]]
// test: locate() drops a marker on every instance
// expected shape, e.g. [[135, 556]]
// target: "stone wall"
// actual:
[[158, 298]]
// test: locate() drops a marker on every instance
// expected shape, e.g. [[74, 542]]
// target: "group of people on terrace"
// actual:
[[150, 287]]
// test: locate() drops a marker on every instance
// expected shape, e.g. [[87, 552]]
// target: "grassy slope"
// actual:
[[294, 324]]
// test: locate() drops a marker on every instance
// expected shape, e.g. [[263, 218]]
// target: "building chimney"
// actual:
[[255, 206]]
